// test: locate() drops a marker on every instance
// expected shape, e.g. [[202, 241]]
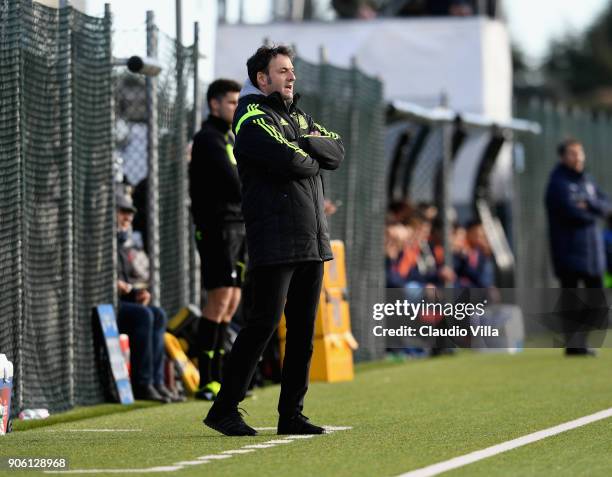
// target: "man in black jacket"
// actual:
[[575, 204], [280, 151], [214, 188]]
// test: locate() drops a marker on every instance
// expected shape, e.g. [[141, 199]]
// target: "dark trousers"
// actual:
[[573, 279], [145, 326], [268, 290], [577, 321]]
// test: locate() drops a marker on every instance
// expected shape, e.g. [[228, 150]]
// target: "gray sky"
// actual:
[[129, 25], [533, 23]]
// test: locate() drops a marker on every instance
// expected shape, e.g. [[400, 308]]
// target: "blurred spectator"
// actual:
[[448, 276], [449, 7], [410, 261], [574, 203], [460, 8], [476, 269], [368, 9], [400, 211], [359, 9], [428, 211], [145, 325]]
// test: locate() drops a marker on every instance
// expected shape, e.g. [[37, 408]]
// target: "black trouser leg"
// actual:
[[300, 313], [569, 280], [573, 342], [577, 321], [591, 281], [265, 293]]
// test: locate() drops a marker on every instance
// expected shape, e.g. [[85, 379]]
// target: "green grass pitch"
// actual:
[[404, 416]]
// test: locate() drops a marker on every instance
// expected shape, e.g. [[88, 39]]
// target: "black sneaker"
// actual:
[[297, 424], [580, 352], [230, 423]]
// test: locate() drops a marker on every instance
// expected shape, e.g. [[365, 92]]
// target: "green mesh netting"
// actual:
[[351, 104], [56, 199]]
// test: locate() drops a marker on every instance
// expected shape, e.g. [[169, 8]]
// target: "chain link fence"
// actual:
[[63, 109], [175, 221], [169, 220], [351, 104], [535, 158], [56, 199]]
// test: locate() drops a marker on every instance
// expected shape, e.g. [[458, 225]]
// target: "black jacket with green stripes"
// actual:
[[279, 163], [214, 186]]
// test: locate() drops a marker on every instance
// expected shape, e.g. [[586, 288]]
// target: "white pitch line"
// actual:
[[168, 468], [93, 430], [337, 428], [259, 446], [472, 457], [265, 428], [205, 459]]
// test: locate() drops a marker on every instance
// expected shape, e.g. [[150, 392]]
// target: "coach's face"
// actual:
[[574, 157], [280, 77]]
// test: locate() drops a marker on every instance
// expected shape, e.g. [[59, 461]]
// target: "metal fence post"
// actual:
[[15, 19], [446, 204], [108, 20], [194, 258], [353, 148], [153, 165], [181, 146], [65, 129]]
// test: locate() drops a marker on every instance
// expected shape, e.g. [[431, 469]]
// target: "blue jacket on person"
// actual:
[[574, 203]]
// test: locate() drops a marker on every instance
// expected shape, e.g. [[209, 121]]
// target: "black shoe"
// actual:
[[297, 424], [149, 393], [580, 352], [230, 423], [165, 392]]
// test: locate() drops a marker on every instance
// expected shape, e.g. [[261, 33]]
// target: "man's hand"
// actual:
[[143, 297], [123, 288], [329, 208], [328, 151]]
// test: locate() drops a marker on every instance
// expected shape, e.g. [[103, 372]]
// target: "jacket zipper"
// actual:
[[313, 186], [316, 208]]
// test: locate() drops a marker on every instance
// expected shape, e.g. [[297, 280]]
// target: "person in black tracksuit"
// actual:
[[280, 152], [214, 187]]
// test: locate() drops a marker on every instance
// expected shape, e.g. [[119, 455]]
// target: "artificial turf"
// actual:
[[403, 417]]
